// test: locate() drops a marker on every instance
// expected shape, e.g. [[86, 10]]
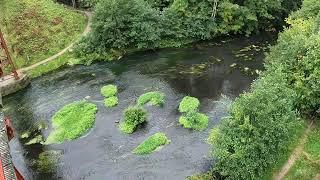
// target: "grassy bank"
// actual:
[[36, 30]]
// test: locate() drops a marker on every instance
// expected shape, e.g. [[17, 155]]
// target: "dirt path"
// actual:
[[85, 32], [295, 154]]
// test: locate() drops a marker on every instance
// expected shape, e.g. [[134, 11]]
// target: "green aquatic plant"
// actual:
[[72, 121], [151, 144], [133, 116], [189, 104], [111, 101], [48, 161], [194, 120], [109, 90], [155, 98], [36, 140]]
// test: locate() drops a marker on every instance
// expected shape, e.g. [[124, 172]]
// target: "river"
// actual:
[[216, 72]]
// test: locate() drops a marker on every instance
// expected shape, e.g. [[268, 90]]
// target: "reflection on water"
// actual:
[[205, 71]]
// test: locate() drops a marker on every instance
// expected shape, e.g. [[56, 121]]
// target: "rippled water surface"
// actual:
[[215, 72]]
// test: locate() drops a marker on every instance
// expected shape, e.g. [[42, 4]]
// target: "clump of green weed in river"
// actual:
[[133, 116], [151, 144], [72, 121], [189, 104], [155, 98], [191, 118], [194, 120], [109, 90], [111, 101]]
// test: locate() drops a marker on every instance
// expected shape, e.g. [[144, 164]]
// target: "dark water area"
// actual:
[[215, 72]]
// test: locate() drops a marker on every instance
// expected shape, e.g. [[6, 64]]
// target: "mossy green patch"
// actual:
[[194, 120], [189, 104], [303, 169], [203, 176], [72, 121], [151, 144], [48, 161], [36, 140], [133, 116], [155, 98], [312, 146], [109, 90], [111, 101]]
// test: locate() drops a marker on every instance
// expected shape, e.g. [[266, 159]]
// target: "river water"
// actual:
[[215, 72]]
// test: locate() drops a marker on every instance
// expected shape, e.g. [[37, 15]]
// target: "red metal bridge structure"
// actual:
[[6, 63], [7, 69]]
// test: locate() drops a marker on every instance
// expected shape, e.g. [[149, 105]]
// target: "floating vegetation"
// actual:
[[156, 98], [233, 65], [111, 101], [191, 118], [194, 120], [133, 116], [36, 140], [152, 143], [249, 52], [189, 104], [48, 161], [72, 121], [109, 90]]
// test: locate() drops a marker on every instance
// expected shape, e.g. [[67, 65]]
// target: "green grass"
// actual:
[[151, 144], [156, 98], [50, 66], [306, 168], [72, 121], [303, 170], [202, 176], [194, 120], [133, 116], [36, 30], [109, 90], [189, 104], [111, 101]]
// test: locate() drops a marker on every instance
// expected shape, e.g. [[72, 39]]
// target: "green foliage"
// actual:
[[128, 25], [259, 127], [203, 176], [194, 120], [151, 144], [303, 169], [109, 90], [111, 101], [72, 121], [156, 98], [38, 29], [189, 104], [133, 116]]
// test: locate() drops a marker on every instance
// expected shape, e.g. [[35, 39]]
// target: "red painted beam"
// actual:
[[1, 171]]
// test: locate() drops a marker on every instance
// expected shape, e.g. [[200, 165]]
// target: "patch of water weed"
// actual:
[[133, 116], [72, 121], [48, 161], [151, 144], [156, 98]]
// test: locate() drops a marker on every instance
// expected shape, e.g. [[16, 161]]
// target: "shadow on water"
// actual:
[[215, 72]]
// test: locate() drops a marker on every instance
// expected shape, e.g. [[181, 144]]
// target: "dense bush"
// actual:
[[109, 90], [155, 98], [259, 127], [189, 104], [194, 120], [72, 121], [133, 116], [151, 144], [126, 25], [297, 51]]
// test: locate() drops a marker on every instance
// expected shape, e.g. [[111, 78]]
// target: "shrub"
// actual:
[[259, 127], [72, 121], [194, 120], [111, 101], [155, 98], [133, 116], [109, 90], [189, 104], [151, 144]]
